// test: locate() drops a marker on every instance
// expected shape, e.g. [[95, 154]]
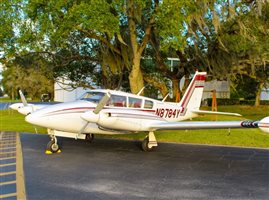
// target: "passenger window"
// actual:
[[148, 104], [134, 102], [116, 100]]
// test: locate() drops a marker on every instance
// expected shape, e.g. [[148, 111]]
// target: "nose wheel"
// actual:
[[52, 146]]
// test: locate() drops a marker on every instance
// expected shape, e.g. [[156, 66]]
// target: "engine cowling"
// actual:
[[26, 110], [120, 119], [264, 124], [90, 116]]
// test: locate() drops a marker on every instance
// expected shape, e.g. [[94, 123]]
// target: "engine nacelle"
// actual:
[[90, 116], [16, 106], [27, 109], [120, 119], [264, 124]]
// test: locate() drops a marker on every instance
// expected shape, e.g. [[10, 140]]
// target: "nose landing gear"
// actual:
[[52, 146]]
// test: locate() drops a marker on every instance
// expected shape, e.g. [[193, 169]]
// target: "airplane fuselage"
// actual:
[[134, 111]]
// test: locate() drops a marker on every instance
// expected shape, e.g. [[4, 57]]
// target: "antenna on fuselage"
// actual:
[[165, 97], [142, 89]]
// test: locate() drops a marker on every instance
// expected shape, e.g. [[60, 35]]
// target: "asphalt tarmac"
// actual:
[[117, 169]]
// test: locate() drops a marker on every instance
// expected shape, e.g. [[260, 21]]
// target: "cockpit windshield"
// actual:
[[94, 97]]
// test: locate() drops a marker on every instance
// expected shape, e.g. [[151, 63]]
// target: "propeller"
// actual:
[[27, 108], [102, 103], [23, 98], [94, 114]]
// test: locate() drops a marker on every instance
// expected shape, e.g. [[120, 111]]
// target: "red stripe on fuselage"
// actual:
[[84, 109]]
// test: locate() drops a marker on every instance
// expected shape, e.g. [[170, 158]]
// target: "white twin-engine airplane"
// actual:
[[114, 112]]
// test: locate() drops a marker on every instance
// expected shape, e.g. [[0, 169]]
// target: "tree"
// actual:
[[121, 29], [30, 75], [83, 38]]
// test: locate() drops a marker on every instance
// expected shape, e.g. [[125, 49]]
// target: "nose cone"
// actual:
[[264, 124]]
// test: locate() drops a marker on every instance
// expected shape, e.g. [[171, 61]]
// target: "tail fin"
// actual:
[[192, 97]]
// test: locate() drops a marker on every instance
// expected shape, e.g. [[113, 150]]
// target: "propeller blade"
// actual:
[[83, 128], [102, 103], [23, 98]]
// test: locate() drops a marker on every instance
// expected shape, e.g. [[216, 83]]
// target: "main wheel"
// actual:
[[145, 145], [89, 137], [53, 147]]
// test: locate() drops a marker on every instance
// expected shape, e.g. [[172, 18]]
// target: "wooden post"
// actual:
[[214, 100], [177, 97]]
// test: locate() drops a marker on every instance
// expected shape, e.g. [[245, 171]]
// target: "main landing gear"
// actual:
[[89, 137], [52, 146], [149, 142]]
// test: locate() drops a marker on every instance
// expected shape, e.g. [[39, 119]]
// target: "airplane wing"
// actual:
[[153, 126], [215, 113]]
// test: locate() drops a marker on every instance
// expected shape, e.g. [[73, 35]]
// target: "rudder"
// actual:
[[193, 95]]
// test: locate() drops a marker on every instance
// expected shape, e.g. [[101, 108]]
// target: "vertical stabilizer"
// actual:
[[192, 98]]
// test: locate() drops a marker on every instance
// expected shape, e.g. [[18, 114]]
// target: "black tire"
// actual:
[[53, 147], [89, 138], [145, 145]]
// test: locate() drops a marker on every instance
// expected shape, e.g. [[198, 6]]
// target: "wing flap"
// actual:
[[215, 113]]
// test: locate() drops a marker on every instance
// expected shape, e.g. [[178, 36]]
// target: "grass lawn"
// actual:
[[12, 121]]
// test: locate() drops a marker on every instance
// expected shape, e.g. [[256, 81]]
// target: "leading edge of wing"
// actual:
[[153, 126]]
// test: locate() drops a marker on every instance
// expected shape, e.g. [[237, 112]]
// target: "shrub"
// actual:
[[224, 102]]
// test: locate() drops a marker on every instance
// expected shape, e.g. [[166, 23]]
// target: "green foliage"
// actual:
[[31, 74], [82, 38], [245, 87], [11, 120], [233, 101]]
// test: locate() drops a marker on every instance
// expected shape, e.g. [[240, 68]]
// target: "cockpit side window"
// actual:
[[135, 102], [94, 97], [117, 100], [148, 104]]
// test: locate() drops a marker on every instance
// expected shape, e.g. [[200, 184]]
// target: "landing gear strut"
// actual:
[[149, 142], [52, 146]]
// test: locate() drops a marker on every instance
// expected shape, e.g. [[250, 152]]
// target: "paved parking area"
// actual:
[[117, 169], [11, 167]]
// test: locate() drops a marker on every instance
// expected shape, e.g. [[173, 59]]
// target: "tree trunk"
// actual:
[[12, 93], [175, 86], [136, 77], [160, 85], [258, 93]]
